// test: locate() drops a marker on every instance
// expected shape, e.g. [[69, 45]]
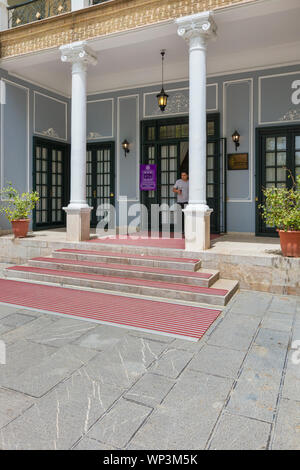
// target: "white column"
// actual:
[[196, 30], [3, 15], [78, 211]]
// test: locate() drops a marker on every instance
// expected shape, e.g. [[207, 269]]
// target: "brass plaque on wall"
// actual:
[[238, 161]]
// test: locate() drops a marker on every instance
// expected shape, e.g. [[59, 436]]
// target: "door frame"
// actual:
[[261, 132], [96, 146], [65, 147], [173, 141]]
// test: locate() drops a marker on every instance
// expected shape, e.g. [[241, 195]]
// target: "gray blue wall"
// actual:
[[27, 110], [245, 101]]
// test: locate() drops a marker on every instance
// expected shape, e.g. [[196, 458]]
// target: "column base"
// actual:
[[78, 224], [197, 227]]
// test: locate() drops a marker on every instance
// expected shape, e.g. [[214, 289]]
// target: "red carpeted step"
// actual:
[[121, 280], [125, 268], [148, 314], [128, 255]]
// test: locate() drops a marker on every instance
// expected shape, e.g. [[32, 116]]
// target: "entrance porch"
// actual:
[[256, 261], [115, 82]]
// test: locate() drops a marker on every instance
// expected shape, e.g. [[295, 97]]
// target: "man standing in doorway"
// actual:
[[181, 188]]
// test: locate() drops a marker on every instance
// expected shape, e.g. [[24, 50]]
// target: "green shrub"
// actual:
[[15, 205], [282, 206]]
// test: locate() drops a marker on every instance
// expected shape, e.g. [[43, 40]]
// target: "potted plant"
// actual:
[[17, 208], [282, 210]]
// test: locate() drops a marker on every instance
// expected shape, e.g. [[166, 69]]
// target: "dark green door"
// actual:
[[278, 149], [165, 143], [51, 181], [100, 177]]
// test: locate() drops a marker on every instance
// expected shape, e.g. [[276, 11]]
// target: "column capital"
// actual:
[[78, 52], [200, 25]]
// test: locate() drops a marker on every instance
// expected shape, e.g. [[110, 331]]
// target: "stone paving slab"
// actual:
[[73, 384], [283, 304], [256, 392], [169, 427], [150, 390], [58, 420], [287, 428], [25, 331], [278, 321], [240, 433], [217, 361], [41, 377], [12, 404], [14, 320], [120, 423], [171, 363], [151, 336], [251, 303], [21, 356], [101, 337], [7, 309], [291, 387], [91, 444], [61, 332], [235, 332], [123, 364]]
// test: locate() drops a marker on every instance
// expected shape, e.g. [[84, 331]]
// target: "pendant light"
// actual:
[[162, 97]]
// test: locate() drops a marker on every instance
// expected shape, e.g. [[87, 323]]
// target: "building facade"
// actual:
[[75, 85]]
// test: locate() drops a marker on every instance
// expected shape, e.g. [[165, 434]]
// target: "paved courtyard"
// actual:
[[71, 384]]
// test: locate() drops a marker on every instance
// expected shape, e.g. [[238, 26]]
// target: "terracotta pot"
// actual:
[[290, 243], [20, 227]]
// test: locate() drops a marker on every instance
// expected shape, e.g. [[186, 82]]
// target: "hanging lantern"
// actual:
[[162, 97]]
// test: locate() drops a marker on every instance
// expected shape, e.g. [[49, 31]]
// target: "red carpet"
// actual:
[[157, 316]]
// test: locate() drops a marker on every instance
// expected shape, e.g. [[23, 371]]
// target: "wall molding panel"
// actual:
[[51, 127], [96, 110], [3, 119], [130, 130], [178, 101], [280, 85], [227, 132]]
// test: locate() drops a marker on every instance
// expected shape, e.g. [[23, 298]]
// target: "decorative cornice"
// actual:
[[100, 20]]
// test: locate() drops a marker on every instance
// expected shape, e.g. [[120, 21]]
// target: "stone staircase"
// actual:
[[130, 272]]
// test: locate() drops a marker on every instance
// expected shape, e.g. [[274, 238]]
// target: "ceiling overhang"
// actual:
[[259, 34]]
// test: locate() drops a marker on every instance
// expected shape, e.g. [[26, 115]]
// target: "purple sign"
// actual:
[[147, 177]]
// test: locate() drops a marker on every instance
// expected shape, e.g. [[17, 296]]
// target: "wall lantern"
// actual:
[[236, 139], [125, 147], [162, 97]]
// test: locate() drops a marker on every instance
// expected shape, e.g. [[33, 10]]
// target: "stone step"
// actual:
[[127, 249], [220, 294], [203, 277], [134, 259]]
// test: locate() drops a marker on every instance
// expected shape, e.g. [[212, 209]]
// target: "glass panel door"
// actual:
[[166, 144], [297, 155], [168, 168], [100, 177], [50, 168], [278, 156]]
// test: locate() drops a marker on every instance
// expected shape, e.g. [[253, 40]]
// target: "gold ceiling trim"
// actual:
[[99, 20]]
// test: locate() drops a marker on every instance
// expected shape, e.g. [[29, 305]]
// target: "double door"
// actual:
[[278, 156], [51, 181], [166, 144], [100, 176]]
